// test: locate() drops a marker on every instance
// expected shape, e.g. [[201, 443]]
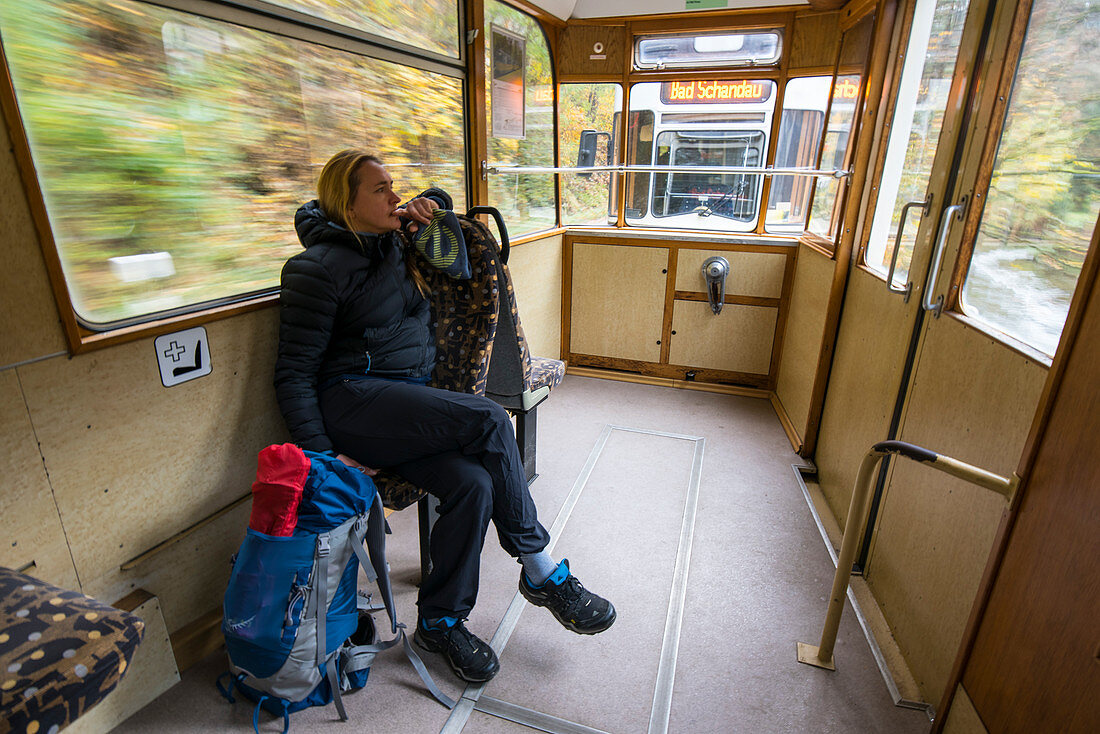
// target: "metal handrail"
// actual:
[[501, 169], [821, 656]]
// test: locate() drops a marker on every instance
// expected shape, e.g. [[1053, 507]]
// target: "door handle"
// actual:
[[949, 215], [908, 289]]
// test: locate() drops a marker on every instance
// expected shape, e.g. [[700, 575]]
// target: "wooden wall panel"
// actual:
[[738, 339], [963, 718], [972, 399], [29, 525], [751, 273], [591, 50], [29, 324], [617, 301], [815, 41], [804, 334], [132, 462], [536, 269]]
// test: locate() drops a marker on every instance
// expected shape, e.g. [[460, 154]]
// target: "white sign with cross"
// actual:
[[183, 356]]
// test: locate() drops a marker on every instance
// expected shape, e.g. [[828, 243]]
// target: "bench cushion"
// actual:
[[61, 652]]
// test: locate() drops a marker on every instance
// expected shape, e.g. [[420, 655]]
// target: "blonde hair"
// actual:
[[336, 187]]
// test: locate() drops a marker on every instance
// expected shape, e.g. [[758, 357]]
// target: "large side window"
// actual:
[[587, 136], [173, 149], [1042, 204], [520, 93]]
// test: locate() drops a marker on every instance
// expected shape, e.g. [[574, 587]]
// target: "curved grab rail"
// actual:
[[821, 656], [908, 289]]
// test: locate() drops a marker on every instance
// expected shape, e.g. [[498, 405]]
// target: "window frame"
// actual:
[[83, 336]]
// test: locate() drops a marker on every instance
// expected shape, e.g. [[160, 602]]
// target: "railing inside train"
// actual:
[[821, 655], [500, 169]]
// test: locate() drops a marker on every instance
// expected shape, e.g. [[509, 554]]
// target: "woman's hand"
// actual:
[[419, 210], [356, 465]]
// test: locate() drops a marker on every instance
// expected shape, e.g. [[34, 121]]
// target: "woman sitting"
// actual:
[[356, 350]]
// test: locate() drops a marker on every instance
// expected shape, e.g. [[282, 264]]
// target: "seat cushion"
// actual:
[[61, 652], [545, 372]]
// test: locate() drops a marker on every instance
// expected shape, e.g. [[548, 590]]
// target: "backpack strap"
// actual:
[[373, 533], [320, 609]]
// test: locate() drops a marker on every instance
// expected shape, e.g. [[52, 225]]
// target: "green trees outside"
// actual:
[[1044, 196], [525, 200], [155, 131]]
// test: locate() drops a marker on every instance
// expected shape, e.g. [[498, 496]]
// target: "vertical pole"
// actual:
[[822, 655]]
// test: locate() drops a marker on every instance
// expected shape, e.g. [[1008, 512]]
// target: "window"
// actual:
[[173, 149], [800, 132], [1044, 196], [915, 131], [700, 124], [520, 94], [760, 48], [834, 155], [431, 25], [588, 123]]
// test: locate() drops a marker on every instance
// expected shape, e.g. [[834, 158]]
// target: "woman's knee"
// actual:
[[470, 489]]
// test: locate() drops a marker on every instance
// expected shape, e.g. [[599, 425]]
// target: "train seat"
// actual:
[[61, 652], [518, 381]]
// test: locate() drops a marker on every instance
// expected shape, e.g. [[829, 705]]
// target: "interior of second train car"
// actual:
[[818, 274]]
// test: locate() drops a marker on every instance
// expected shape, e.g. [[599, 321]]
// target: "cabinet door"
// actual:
[[618, 295]]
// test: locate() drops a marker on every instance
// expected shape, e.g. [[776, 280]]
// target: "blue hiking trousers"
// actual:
[[460, 448]]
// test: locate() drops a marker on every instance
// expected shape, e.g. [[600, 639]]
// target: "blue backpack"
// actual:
[[297, 630]]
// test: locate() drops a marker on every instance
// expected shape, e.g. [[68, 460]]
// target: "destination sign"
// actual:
[[695, 92]]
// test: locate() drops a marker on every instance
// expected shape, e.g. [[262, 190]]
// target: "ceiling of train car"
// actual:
[[566, 9]]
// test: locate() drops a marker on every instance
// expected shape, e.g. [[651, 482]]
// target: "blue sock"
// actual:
[[538, 567], [440, 623]]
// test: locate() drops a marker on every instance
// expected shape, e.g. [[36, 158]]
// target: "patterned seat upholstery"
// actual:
[[61, 653], [464, 314]]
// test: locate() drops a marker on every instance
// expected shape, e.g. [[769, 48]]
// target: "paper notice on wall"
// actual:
[[509, 61]]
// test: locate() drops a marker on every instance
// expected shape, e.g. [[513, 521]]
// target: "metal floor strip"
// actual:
[[472, 698], [531, 718]]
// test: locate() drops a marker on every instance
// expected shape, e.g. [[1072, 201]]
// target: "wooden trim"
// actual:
[[477, 130], [671, 371], [781, 319], [36, 203], [670, 303], [728, 299], [877, 65], [609, 374], [786, 422], [536, 236], [987, 130], [854, 12], [193, 642], [741, 19], [566, 294]]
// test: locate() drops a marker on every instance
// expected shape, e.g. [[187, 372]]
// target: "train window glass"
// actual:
[[700, 50], [519, 88], [919, 107], [703, 124], [800, 132], [587, 128], [171, 170], [428, 24], [834, 154], [1044, 195]]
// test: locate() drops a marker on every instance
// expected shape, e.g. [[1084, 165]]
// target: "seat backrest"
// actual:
[[510, 363], [465, 318]]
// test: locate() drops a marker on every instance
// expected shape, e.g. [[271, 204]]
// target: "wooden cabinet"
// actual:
[[640, 305]]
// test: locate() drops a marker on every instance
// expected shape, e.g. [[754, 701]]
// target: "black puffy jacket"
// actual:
[[347, 306]]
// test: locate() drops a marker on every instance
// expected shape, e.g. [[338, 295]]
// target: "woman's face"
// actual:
[[372, 208]]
